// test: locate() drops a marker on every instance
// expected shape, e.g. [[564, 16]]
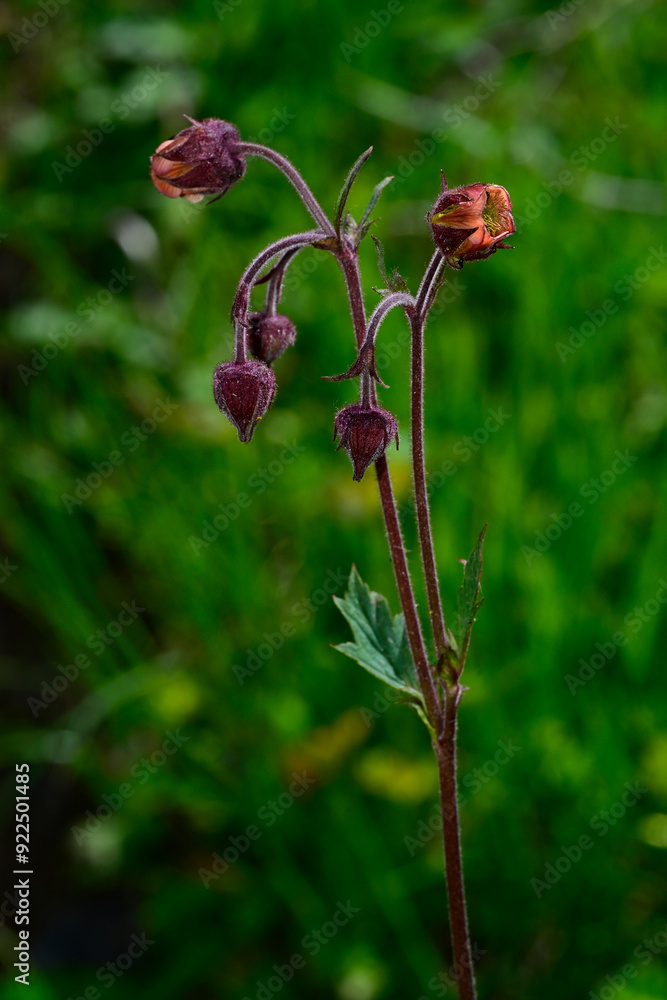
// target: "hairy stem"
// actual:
[[349, 264], [382, 310], [348, 260], [295, 179], [417, 319], [445, 751], [241, 301], [443, 724], [445, 746]]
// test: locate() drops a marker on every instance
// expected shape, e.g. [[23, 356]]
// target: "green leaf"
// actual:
[[396, 282], [365, 222], [348, 226], [382, 267], [381, 642], [362, 231], [470, 599], [347, 186]]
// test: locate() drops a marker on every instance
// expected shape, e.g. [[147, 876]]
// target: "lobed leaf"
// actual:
[[381, 642]]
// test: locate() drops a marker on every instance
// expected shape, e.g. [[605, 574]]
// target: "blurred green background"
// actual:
[[115, 313]]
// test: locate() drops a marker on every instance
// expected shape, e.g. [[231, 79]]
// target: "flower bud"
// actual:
[[270, 336], [364, 432], [244, 393], [202, 159], [470, 223]]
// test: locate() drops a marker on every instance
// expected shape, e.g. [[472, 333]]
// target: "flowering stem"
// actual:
[[388, 303], [429, 283], [295, 179], [273, 295], [442, 722], [347, 258], [406, 593], [417, 319], [241, 301], [445, 745], [349, 264], [445, 752]]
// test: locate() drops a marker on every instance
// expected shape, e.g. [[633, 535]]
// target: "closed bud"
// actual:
[[364, 432], [202, 159], [270, 336], [470, 223], [244, 393]]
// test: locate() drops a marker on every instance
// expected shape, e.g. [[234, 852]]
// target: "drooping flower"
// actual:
[[202, 159], [270, 336], [471, 222], [244, 392], [364, 432]]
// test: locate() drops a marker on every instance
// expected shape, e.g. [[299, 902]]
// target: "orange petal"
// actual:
[[465, 215], [169, 168], [165, 188], [172, 143]]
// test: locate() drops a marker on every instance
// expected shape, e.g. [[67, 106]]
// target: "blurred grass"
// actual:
[[554, 79]]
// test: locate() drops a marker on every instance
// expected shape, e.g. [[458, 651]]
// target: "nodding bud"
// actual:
[[470, 223], [244, 393], [269, 336], [200, 160], [364, 432]]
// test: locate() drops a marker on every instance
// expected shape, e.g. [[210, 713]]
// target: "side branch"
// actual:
[[241, 301], [295, 179], [425, 298]]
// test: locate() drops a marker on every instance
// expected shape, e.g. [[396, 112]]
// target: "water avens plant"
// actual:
[[467, 223]]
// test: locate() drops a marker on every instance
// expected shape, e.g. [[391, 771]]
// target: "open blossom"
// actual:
[[244, 392], [202, 159], [364, 432], [470, 223]]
